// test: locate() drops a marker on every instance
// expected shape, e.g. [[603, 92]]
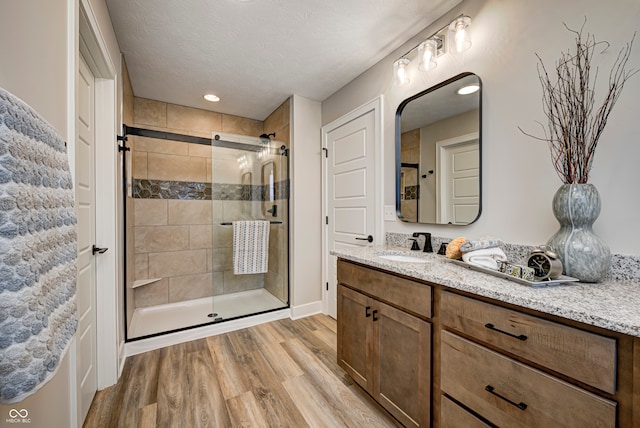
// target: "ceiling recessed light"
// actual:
[[469, 89], [212, 98]]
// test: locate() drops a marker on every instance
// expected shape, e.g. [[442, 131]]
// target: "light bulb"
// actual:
[[400, 72], [427, 51], [462, 36], [469, 89]]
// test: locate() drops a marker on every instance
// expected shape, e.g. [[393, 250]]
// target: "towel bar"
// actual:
[[228, 223]]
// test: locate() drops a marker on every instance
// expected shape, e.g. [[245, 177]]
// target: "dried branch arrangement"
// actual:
[[574, 127]]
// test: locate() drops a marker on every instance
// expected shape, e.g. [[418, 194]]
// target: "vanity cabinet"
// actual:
[[454, 416], [435, 356], [479, 344], [384, 340]]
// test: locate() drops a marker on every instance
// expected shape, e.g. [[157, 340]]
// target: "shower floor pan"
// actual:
[[174, 316]]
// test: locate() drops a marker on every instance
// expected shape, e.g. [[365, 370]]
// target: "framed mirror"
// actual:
[[438, 153]]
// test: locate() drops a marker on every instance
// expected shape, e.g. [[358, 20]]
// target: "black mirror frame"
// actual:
[[398, 148]]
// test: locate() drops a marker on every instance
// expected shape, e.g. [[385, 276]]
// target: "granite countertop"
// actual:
[[611, 304]]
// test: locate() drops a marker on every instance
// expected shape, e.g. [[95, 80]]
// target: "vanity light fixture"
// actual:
[[212, 98], [400, 73], [456, 32], [461, 36], [469, 89], [243, 162], [427, 52]]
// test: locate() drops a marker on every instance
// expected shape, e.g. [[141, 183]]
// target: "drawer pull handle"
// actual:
[[375, 312], [491, 390], [492, 327], [367, 312]]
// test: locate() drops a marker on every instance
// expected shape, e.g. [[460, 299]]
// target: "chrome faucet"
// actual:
[[427, 241]]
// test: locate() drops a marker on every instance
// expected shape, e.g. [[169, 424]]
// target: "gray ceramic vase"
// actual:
[[584, 255]]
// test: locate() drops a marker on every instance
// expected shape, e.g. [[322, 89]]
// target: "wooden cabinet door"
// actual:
[[355, 335], [402, 369]]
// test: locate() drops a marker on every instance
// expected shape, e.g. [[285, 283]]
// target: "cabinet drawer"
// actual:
[[400, 292], [454, 416], [584, 356], [509, 393]]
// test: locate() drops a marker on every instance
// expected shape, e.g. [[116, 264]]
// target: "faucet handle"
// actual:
[[427, 241], [414, 245]]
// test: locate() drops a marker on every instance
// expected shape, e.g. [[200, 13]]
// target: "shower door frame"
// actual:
[[213, 142]]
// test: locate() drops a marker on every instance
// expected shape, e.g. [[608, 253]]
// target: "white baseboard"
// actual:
[[306, 310], [145, 345]]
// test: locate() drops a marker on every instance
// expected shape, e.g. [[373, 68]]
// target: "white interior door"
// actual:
[[349, 191], [460, 179], [86, 229]]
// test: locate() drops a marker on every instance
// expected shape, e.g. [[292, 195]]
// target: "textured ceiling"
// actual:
[[254, 54]]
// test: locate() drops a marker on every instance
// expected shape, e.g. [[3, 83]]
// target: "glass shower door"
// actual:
[[249, 183]]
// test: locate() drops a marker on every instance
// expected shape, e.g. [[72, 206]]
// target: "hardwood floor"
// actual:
[[281, 374]]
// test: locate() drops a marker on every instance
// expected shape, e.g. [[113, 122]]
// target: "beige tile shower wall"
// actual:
[[410, 149], [173, 242], [279, 121], [410, 153], [276, 281], [170, 160], [130, 265], [223, 249], [182, 241]]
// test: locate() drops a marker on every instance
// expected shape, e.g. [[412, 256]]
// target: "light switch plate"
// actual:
[[389, 213]]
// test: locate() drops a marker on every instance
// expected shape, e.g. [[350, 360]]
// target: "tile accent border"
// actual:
[[411, 193], [623, 267], [192, 190]]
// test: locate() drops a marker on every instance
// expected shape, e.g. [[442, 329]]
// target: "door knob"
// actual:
[[368, 239], [98, 250]]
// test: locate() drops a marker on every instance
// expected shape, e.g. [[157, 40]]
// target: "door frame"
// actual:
[[89, 42], [374, 105], [442, 167]]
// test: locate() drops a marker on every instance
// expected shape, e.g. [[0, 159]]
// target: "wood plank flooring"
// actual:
[[280, 374]]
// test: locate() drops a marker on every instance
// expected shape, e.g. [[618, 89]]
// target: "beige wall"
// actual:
[[506, 36], [306, 207], [35, 39]]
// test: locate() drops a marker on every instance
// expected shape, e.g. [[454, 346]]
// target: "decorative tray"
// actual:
[[562, 279]]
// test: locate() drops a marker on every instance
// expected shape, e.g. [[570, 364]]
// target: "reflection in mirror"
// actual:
[[438, 147], [268, 184], [245, 180]]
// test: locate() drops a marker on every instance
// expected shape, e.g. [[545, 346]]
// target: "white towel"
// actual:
[[250, 247], [486, 257]]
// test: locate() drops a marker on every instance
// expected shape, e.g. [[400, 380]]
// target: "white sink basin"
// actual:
[[401, 258]]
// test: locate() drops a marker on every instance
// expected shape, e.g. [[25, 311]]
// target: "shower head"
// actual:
[[266, 137]]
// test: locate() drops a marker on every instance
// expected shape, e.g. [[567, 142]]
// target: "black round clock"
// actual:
[[545, 262]]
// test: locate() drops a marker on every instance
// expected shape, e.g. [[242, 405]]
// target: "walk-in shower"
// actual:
[[186, 195]]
